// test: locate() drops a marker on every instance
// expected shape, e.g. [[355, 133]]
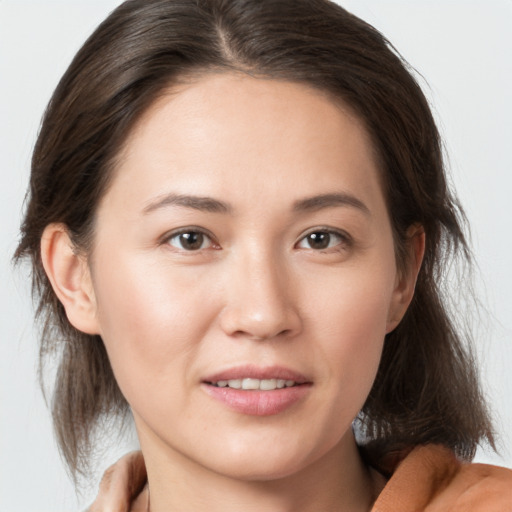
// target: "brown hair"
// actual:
[[426, 389]]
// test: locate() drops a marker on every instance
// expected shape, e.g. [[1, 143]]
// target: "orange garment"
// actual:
[[431, 479]]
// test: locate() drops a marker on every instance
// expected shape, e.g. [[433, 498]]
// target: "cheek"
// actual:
[[151, 320], [354, 300], [350, 314], [355, 344]]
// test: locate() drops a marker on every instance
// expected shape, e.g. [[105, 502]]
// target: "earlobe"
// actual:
[[406, 279], [70, 278]]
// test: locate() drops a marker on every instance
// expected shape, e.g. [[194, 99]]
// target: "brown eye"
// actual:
[[190, 241], [321, 240]]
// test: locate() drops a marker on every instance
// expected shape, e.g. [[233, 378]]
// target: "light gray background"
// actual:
[[462, 47]]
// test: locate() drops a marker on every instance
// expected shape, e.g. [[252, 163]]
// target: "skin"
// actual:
[[255, 291], [122, 487]]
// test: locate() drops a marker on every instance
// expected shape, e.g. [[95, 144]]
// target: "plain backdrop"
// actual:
[[464, 50]]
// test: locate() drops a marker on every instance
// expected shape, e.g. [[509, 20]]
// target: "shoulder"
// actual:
[[476, 488], [431, 479]]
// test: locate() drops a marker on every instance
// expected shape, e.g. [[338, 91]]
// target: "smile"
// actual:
[[257, 391], [255, 384]]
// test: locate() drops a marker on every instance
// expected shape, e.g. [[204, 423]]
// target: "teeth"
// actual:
[[268, 384], [251, 384], [255, 384], [235, 383]]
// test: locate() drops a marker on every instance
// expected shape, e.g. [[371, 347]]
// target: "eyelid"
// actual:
[[164, 239], [345, 237]]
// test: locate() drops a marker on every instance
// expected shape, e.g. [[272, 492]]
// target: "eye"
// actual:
[[191, 240], [323, 239]]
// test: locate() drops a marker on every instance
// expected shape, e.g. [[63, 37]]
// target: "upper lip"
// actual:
[[256, 372]]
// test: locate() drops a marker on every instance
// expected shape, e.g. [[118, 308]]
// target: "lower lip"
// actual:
[[258, 403]]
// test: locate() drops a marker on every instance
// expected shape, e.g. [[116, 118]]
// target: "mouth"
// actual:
[[257, 391], [250, 384], [255, 378]]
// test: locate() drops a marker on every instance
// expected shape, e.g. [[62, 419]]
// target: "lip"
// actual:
[[257, 402], [254, 372]]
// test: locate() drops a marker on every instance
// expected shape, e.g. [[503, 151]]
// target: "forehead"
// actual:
[[229, 131]]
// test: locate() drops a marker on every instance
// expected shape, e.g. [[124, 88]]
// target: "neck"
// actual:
[[337, 482]]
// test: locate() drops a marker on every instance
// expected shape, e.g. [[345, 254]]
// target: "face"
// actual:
[[243, 275]]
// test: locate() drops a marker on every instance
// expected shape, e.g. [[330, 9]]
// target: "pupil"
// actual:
[[191, 241], [319, 240]]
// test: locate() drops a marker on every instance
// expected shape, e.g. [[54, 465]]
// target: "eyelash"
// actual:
[[166, 240], [345, 241]]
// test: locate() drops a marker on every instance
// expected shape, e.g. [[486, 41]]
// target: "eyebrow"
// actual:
[[204, 204], [211, 205], [322, 201]]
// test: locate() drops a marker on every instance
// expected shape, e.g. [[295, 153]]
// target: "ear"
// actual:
[[70, 278], [406, 278]]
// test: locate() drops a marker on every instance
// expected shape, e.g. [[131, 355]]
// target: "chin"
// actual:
[[251, 470], [267, 459]]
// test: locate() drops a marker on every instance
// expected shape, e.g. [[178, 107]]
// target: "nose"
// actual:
[[261, 300]]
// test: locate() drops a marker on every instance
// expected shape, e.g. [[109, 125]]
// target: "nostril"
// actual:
[[259, 312], [262, 336]]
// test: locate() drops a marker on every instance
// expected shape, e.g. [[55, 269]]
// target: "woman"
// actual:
[[238, 221]]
